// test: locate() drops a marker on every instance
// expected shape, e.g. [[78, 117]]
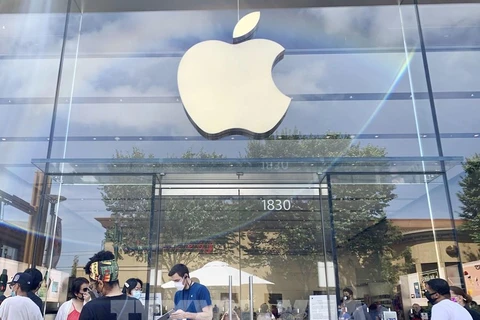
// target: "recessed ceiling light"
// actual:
[[476, 135]]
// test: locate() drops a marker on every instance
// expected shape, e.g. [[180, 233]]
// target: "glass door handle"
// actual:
[[250, 292], [229, 297]]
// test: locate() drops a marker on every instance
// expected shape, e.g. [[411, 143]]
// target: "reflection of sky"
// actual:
[[135, 55]]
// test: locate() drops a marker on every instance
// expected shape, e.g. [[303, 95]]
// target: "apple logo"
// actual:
[[228, 88]]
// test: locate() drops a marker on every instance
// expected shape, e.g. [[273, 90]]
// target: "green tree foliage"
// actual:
[[191, 226], [188, 226], [470, 197], [364, 237]]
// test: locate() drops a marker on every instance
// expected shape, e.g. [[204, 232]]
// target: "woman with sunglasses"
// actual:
[[71, 309]]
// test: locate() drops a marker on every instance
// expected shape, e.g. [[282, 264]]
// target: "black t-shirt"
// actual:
[[38, 301], [113, 308], [475, 314]]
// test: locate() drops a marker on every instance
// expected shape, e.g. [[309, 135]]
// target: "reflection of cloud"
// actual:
[[130, 119], [160, 32], [146, 31]]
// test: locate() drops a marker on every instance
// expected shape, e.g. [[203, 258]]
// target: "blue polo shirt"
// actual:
[[194, 299]]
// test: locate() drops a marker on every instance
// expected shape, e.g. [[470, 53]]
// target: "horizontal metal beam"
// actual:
[[46, 6]]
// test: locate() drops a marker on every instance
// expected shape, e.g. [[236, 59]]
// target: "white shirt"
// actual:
[[19, 308], [449, 310]]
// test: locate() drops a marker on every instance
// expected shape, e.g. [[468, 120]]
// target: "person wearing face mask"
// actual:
[[438, 294], [459, 296], [18, 306], [192, 300], [348, 302], [133, 288], [37, 279], [111, 303], [71, 309]]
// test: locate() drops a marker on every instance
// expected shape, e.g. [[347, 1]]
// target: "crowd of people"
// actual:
[[445, 302], [100, 297]]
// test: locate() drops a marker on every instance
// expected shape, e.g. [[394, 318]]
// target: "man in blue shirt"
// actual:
[[192, 300]]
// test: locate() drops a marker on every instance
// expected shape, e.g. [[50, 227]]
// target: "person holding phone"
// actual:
[[72, 308], [192, 300]]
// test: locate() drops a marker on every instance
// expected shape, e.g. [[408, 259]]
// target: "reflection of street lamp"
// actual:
[[53, 200]]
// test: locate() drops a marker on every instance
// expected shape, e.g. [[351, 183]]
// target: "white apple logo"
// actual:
[[228, 88]]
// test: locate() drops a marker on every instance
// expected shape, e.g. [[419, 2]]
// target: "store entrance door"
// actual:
[[258, 247]]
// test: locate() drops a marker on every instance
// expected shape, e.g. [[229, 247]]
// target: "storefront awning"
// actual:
[[286, 170]]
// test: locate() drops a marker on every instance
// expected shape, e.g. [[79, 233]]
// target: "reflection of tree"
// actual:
[[220, 225], [189, 226], [73, 273], [129, 201], [364, 237], [470, 197]]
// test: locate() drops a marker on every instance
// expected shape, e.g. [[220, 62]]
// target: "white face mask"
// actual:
[[136, 294], [179, 285]]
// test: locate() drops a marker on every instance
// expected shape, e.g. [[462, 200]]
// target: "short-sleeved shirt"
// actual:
[[38, 301], [475, 314], [120, 307], [193, 299], [19, 308], [449, 310]]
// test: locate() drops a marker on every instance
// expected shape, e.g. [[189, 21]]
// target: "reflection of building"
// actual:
[[416, 235], [14, 234]]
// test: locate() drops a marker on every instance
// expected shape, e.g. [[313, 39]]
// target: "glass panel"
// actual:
[[352, 78], [451, 33], [389, 238], [274, 235], [114, 216], [30, 51]]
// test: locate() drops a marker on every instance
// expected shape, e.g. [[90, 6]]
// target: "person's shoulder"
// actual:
[[33, 296], [95, 302], [200, 287]]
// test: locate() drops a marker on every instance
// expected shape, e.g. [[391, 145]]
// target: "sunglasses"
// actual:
[[84, 290]]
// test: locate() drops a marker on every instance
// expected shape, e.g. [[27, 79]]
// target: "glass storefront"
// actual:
[[369, 181]]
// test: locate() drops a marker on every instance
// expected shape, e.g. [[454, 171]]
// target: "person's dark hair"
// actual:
[[179, 269], [37, 278], [24, 287], [440, 286], [460, 292], [101, 256], [348, 290], [132, 283], [77, 284]]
